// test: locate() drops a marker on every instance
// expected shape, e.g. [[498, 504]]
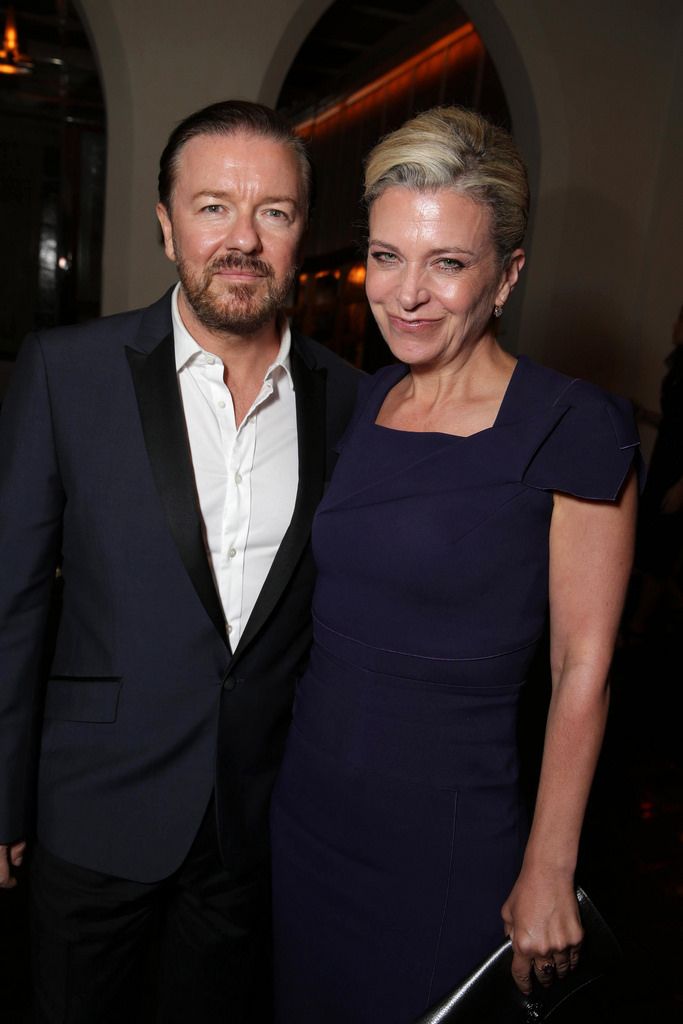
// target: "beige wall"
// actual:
[[604, 278], [596, 93]]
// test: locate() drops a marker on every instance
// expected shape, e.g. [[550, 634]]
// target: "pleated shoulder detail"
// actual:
[[591, 447]]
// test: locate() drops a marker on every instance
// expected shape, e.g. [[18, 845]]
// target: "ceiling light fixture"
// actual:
[[12, 60]]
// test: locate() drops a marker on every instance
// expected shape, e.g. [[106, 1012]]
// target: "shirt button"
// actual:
[[238, 478], [210, 360], [228, 629], [221, 405], [232, 552]]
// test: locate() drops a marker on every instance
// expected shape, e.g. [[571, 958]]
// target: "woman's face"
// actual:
[[433, 277]]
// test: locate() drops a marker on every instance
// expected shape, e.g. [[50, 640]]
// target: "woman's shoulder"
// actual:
[[589, 441], [376, 385], [372, 388], [552, 388]]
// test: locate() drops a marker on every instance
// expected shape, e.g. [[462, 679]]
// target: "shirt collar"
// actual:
[[187, 349]]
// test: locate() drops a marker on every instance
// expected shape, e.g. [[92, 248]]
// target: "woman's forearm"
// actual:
[[574, 733]]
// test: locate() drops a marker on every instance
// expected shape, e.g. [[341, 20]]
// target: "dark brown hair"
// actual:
[[228, 118]]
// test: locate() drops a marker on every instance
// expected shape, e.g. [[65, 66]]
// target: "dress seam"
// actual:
[[445, 902], [423, 657]]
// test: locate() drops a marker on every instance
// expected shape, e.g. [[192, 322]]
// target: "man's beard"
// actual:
[[236, 308]]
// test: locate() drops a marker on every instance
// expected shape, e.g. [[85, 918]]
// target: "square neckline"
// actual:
[[395, 378]]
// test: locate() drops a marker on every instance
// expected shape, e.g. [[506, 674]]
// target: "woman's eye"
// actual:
[[449, 263], [379, 256]]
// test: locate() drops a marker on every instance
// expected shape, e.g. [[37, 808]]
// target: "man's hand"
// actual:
[[11, 856]]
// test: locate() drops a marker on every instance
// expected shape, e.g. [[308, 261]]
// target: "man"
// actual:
[[170, 461]]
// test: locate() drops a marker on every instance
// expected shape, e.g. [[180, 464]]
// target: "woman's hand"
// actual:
[[541, 916]]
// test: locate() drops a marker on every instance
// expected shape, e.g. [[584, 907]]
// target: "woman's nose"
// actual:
[[412, 291]]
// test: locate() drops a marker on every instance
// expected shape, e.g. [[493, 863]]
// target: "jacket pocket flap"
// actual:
[[81, 699]]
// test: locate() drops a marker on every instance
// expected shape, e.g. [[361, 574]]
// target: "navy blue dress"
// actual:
[[397, 827]]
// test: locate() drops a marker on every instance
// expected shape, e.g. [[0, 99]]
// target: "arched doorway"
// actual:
[[359, 73]]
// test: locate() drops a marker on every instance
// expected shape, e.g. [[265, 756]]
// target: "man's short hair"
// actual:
[[228, 118]]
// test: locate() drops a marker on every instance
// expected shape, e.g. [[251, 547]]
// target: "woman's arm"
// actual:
[[591, 549]]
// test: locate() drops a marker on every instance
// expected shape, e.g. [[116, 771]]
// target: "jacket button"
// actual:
[[229, 683]]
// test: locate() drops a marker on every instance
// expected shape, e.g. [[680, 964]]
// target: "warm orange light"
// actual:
[[12, 60], [436, 49], [356, 274], [303, 278]]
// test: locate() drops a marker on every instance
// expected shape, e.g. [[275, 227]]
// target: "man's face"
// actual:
[[233, 228]]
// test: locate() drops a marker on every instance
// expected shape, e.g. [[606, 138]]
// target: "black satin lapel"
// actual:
[[310, 391], [165, 433]]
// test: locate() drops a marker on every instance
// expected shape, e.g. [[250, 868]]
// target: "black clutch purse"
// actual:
[[490, 996]]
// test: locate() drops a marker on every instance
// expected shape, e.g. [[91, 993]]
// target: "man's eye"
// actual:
[[277, 214], [212, 208]]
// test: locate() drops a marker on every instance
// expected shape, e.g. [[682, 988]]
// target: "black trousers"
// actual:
[[193, 947]]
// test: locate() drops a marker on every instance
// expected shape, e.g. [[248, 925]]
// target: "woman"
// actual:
[[472, 490]]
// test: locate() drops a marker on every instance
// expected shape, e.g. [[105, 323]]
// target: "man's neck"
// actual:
[[245, 358]]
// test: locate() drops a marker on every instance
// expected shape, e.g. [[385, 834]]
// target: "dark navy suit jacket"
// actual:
[[145, 709]]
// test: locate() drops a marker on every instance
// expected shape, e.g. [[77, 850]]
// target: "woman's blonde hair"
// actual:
[[450, 147]]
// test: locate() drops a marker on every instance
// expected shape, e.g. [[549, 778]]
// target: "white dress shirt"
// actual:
[[246, 476]]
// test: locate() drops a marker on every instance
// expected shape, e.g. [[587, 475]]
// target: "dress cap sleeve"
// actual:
[[590, 449]]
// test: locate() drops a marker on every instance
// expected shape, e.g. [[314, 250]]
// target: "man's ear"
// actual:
[[166, 230]]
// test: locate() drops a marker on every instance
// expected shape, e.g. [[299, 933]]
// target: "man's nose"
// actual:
[[243, 234]]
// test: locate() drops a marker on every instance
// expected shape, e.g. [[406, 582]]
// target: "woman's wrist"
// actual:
[[547, 863]]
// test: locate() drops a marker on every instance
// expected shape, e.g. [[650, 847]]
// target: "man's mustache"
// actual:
[[239, 261]]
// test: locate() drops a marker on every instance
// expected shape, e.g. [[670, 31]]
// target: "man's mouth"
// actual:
[[242, 267]]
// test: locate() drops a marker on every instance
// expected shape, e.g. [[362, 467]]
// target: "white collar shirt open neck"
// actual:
[[247, 476]]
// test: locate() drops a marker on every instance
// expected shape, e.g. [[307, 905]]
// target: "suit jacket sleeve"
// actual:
[[31, 504]]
